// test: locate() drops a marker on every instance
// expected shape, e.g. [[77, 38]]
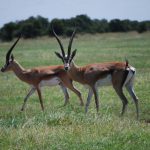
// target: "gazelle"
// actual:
[[117, 74], [39, 77]]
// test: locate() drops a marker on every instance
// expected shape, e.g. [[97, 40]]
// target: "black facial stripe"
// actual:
[[5, 66], [67, 61], [7, 63]]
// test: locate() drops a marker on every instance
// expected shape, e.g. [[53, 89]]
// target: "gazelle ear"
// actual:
[[58, 55], [73, 54], [12, 57]]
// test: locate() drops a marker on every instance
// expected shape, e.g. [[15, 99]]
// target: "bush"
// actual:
[[7, 31], [40, 26], [144, 26], [29, 31], [58, 26]]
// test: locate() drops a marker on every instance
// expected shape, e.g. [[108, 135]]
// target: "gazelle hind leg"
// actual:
[[66, 94], [32, 90], [90, 94], [118, 80], [78, 93], [124, 100], [130, 89], [69, 85]]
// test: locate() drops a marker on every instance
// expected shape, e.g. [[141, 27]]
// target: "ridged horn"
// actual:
[[70, 42], [60, 44], [10, 50]]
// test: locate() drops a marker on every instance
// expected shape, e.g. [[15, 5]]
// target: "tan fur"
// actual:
[[92, 75], [36, 75]]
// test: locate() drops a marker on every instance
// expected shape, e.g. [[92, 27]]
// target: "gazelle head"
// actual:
[[66, 58], [9, 58]]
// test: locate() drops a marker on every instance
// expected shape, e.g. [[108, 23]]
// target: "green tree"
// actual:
[[7, 31], [58, 26], [83, 23], [100, 26], [28, 30], [144, 26], [115, 25]]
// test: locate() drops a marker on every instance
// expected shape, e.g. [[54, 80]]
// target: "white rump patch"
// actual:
[[132, 68], [130, 75], [52, 82]]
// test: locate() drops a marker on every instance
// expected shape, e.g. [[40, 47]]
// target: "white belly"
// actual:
[[105, 81], [102, 82], [52, 82]]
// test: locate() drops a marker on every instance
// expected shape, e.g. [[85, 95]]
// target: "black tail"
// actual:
[[127, 64]]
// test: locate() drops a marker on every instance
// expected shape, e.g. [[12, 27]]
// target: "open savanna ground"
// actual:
[[68, 127]]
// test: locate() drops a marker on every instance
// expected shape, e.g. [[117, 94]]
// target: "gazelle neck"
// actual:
[[76, 72], [73, 66], [18, 69]]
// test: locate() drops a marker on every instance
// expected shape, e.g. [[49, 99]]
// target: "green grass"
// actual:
[[68, 128]]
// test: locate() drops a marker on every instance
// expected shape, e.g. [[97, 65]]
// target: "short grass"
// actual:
[[68, 128]]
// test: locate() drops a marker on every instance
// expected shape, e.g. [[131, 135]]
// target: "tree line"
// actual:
[[39, 26]]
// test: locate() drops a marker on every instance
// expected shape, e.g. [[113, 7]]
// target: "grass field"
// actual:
[[68, 128]]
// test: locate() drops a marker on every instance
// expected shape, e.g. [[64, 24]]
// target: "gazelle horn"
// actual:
[[10, 50], [60, 44], [70, 42]]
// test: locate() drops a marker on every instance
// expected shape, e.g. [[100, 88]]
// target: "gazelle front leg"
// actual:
[[32, 90], [90, 94], [95, 91], [40, 97], [65, 91], [78, 93], [68, 84]]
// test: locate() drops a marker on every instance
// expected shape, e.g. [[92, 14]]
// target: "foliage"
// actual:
[[143, 26], [40, 26], [6, 33]]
